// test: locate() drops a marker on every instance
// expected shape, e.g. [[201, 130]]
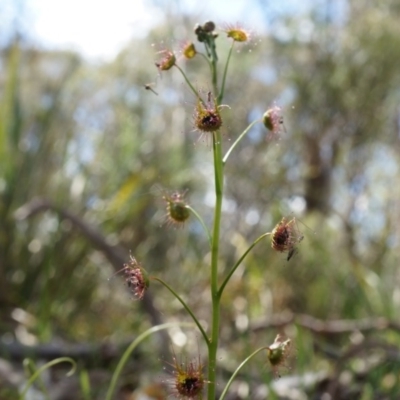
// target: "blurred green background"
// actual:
[[86, 155]]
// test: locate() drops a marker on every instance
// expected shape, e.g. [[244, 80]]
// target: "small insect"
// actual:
[[286, 236], [148, 86], [291, 253]]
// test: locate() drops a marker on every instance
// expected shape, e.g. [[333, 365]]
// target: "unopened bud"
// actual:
[[209, 26]]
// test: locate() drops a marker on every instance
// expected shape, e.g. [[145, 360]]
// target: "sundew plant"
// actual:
[[198, 379]]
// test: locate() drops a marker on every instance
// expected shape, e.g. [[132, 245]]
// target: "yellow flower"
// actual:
[[189, 50], [237, 33]]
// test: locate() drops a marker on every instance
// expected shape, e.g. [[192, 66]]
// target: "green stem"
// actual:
[[223, 394], [214, 59], [30, 369], [242, 135], [214, 76], [206, 230], [219, 183], [207, 47], [129, 350], [207, 59], [221, 289], [196, 93], [43, 368], [221, 94], [187, 308]]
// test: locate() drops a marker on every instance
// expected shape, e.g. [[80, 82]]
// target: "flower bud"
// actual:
[[177, 210], [209, 26], [189, 50], [273, 120], [197, 29], [278, 353], [167, 61]]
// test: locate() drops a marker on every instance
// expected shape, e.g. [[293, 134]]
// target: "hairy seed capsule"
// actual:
[[177, 208], [278, 353], [207, 117]]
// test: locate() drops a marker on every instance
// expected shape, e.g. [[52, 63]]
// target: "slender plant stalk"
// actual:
[[43, 368], [214, 74], [196, 93], [221, 94], [30, 369], [219, 183], [242, 135], [85, 385], [187, 308], [225, 391], [206, 230], [228, 277], [207, 59]]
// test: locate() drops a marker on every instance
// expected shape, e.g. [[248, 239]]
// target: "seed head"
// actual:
[[273, 120], [237, 33], [136, 278], [278, 353], [286, 236], [177, 210], [167, 61], [188, 382], [209, 26], [205, 32], [207, 117]]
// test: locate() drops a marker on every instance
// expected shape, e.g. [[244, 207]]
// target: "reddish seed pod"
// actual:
[[207, 117], [285, 237], [136, 278]]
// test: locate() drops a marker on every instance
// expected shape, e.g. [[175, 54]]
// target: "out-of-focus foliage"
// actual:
[[92, 140]]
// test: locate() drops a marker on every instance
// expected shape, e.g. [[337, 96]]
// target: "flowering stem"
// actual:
[[221, 94], [221, 289], [223, 394], [219, 183], [214, 58], [242, 135], [188, 82], [214, 75], [187, 308], [206, 230], [219, 188]]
